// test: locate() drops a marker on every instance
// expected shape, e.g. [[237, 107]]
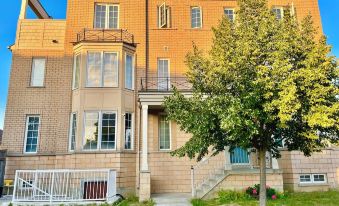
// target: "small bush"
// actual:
[[198, 202], [226, 196], [271, 193]]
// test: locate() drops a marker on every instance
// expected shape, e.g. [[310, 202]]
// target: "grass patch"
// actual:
[[227, 198], [134, 201]]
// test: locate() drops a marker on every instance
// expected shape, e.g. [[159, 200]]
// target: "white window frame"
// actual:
[[102, 69], [26, 132], [106, 15], [201, 20], [71, 130], [132, 131], [230, 9], [133, 71], [74, 71], [166, 10], [32, 71], [170, 133], [100, 130], [312, 181], [281, 9]]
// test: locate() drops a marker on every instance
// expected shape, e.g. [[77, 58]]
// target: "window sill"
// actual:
[[36, 87], [313, 184], [164, 29], [101, 87]]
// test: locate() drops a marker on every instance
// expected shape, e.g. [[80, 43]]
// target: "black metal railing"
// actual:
[[105, 35], [165, 84]]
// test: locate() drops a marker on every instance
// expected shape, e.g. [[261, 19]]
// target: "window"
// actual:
[[164, 16], [100, 130], [102, 69], [312, 178], [129, 71], [163, 74], [32, 134], [38, 72], [229, 13], [108, 130], [319, 178], [73, 131], [128, 131], [106, 16], [305, 178], [164, 133], [196, 17], [76, 71], [279, 12]]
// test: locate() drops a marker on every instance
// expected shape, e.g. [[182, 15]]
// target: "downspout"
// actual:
[[147, 44], [139, 131]]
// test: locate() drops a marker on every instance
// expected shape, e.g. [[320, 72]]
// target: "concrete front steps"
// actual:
[[172, 199]]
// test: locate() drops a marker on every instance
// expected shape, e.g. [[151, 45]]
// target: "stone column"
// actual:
[[144, 162], [275, 164], [228, 165], [145, 186]]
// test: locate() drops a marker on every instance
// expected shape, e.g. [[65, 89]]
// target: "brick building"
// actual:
[[86, 93]]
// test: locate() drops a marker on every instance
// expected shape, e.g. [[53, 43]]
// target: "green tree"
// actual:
[[263, 80]]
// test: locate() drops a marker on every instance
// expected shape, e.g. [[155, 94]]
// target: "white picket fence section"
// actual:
[[64, 185]]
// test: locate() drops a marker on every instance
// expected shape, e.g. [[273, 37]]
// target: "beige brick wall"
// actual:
[[53, 101], [240, 182], [295, 163]]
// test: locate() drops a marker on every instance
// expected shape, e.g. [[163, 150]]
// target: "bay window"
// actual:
[[100, 130], [129, 71], [128, 131], [102, 69], [73, 131]]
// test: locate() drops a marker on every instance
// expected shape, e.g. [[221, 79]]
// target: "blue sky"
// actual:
[[57, 8]]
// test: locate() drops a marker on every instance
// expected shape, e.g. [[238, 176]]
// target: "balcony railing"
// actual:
[[105, 35], [165, 84]]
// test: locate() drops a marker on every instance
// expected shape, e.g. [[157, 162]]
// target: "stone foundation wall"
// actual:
[[124, 164]]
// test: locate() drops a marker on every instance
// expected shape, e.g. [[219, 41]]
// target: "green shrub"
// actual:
[[254, 191], [198, 202], [226, 196]]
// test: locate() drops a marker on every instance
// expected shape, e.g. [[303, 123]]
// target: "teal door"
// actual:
[[239, 156]]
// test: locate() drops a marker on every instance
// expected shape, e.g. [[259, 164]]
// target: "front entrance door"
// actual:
[[239, 156]]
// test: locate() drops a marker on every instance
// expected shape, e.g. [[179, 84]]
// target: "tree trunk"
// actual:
[[262, 193]]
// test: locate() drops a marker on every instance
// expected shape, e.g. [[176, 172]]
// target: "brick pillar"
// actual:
[[145, 186]]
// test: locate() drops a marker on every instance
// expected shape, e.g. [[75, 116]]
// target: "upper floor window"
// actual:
[[106, 16], [76, 71], [129, 71], [229, 12], [32, 133], [38, 72], [164, 16], [100, 130], [164, 74], [279, 12], [196, 17], [102, 69]]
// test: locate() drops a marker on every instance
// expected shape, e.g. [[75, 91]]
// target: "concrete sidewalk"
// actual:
[[172, 199]]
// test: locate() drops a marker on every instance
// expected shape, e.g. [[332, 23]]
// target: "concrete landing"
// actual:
[[172, 199]]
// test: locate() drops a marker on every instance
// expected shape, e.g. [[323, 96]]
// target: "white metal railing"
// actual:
[[64, 185], [205, 170]]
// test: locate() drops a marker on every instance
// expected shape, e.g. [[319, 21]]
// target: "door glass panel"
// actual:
[[239, 156]]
